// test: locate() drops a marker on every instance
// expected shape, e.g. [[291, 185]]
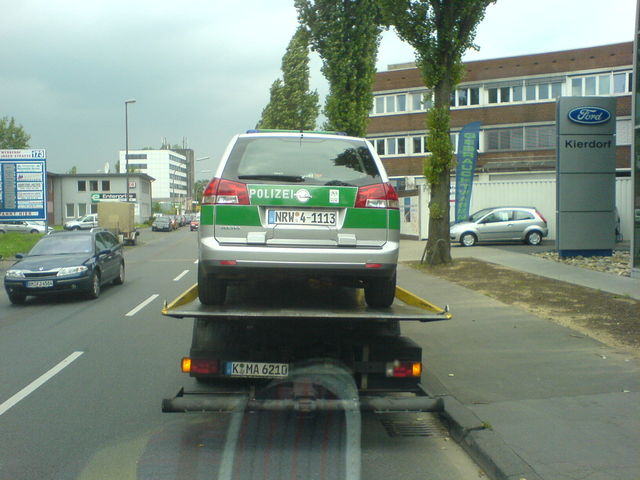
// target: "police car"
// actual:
[[289, 205]]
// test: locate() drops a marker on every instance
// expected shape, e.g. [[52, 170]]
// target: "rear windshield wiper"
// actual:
[[339, 183], [271, 176]]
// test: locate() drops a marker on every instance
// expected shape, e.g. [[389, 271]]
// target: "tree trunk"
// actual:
[[438, 249]]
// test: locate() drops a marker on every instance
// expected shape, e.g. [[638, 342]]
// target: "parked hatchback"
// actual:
[[288, 205], [501, 224], [66, 262], [24, 226]]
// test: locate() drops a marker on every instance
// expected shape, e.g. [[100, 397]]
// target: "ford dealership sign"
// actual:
[[589, 115]]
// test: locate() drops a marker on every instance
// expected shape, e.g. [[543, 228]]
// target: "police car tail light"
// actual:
[[380, 195], [221, 192]]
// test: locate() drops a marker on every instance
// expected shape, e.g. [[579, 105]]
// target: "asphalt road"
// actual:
[[81, 383]]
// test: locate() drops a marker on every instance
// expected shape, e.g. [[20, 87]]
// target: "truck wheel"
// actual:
[[380, 292], [211, 291]]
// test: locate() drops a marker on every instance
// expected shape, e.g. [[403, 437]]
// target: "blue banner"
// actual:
[[465, 168]]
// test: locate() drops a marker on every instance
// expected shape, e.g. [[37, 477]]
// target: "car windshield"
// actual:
[[311, 160], [62, 244]]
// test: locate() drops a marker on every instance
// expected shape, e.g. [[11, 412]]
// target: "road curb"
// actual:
[[482, 444]]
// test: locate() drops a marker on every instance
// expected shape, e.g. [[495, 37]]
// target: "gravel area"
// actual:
[[619, 263]]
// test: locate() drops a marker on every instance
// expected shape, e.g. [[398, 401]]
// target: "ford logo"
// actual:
[[589, 115]]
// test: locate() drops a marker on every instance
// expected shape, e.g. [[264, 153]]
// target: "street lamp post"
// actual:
[[126, 142]]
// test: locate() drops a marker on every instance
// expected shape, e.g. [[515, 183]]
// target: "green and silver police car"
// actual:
[[288, 205]]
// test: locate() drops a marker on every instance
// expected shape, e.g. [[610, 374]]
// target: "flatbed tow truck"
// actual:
[[299, 369], [274, 347]]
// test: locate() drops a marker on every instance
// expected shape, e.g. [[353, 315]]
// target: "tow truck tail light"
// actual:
[[225, 192], [380, 195], [200, 365], [404, 369]]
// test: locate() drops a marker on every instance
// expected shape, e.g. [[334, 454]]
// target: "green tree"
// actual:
[[440, 31], [346, 34], [198, 189], [73, 170], [13, 136], [291, 105]]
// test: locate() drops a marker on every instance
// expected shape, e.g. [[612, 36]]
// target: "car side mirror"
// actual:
[[19, 255]]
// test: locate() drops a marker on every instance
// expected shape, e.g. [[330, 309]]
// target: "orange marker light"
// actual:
[[186, 365]]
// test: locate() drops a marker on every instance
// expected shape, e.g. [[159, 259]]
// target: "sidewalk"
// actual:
[[529, 399], [412, 250]]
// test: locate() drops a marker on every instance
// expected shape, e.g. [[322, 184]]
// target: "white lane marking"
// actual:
[[142, 305], [180, 276], [33, 386]]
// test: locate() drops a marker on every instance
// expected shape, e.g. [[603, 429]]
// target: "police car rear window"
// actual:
[[315, 161]]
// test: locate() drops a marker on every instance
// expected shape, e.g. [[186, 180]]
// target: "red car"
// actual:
[[195, 223]]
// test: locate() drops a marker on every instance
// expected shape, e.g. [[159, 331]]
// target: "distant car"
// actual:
[[288, 205], [84, 223], [524, 224], [162, 224], [66, 262], [23, 226], [195, 223]]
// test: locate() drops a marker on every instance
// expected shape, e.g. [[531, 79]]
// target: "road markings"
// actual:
[[33, 386], [142, 305], [180, 276]]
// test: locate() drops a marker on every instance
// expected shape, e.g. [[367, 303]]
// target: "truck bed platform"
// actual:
[[303, 303]]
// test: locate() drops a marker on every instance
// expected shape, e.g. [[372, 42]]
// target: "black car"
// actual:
[[80, 261], [161, 224]]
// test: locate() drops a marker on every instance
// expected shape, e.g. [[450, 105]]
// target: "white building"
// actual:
[[168, 168]]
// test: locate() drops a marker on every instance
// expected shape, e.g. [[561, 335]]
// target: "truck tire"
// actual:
[[380, 292], [211, 290]]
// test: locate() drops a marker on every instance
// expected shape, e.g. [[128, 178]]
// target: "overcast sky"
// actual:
[[200, 70]]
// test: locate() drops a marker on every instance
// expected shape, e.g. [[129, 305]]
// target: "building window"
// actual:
[[94, 208], [401, 146], [380, 146], [601, 84], [70, 210], [504, 139], [391, 105], [379, 105], [137, 156], [540, 137], [106, 186], [82, 209], [93, 185], [464, 97], [401, 103], [82, 186], [391, 146]]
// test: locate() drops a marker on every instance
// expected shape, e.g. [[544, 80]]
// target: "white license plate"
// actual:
[[301, 217], [40, 284], [257, 369]]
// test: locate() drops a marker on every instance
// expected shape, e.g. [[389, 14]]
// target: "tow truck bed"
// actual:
[[270, 345]]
